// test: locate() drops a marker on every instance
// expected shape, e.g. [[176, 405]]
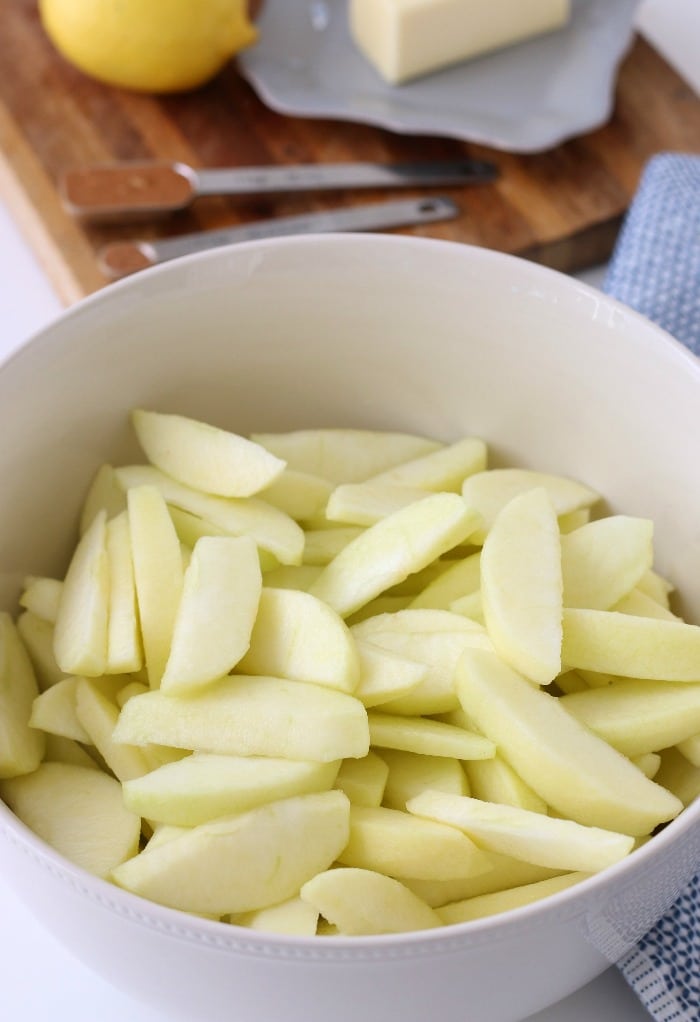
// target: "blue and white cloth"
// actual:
[[655, 268]]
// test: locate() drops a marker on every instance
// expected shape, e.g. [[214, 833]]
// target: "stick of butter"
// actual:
[[408, 38]]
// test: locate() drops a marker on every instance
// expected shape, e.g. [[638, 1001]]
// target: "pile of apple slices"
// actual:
[[345, 681]]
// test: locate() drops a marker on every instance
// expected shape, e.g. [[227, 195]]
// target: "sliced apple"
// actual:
[[363, 902], [321, 546], [38, 639], [429, 737], [202, 787], [460, 579], [344, 455], [80, 635], [105, 494], [216, 613], [400, 845], [368, 503], [385, 675], [633, 647], [521, 586], [79, 812], [494, 780], [54, 711], [488, 492], [204, 457], [444, 469], [411, 773], [272, 530], [251, 716], [534, 837], [440, 651], [572, 769], [124, 646], [276, 848], [21, 746], [98, 715], [602, 561], [363, 780], [42, 596], [392, 549], [297, 636], [300, 495], [506, 901], [158, 574], [636, 716], [505, 873], [293, 917]]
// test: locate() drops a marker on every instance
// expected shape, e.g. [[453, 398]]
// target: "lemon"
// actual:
[[149, 45]]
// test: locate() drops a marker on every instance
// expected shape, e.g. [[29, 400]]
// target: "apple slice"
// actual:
[[444, 469], [80, 635], [105, 494], [410, 774], [274, 848], [521, 586], [124, 646], [363, 902], [98, 715], [389, 551], [158, 574], [534, 837], [217, 610], [202, 787], [636, 716], [42, 596], [79, 812], [488, 492], [679, 775], [440, 651], [293, 917], [494, 780], [299, 637], [505, 873], [54, 712], [504, 901], [385, 675], [251, 716], [429, 737], [271, 528], [204, 457], [602, 561], [21, 746], [460, 579], [344, 455], [634, 647], [368, 503], [300, 495], [363, 780], [321, 546], [574, 771], [38, 639]]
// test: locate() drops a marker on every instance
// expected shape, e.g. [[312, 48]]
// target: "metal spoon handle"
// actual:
[[122, 258], [320, 177]]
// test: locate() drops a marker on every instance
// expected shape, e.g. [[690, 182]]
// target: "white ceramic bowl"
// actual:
[[355, 331]]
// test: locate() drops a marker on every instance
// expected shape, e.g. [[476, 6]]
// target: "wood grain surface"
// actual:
[[562, 207]]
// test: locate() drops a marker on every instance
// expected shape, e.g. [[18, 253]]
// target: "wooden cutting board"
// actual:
[[562, 208]]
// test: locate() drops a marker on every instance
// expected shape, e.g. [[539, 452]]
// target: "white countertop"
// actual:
[[40, 980]]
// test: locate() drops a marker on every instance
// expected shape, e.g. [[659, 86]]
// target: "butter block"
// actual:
[[404, 39]]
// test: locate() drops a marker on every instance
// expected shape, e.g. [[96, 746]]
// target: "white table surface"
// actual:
[[38, 978]]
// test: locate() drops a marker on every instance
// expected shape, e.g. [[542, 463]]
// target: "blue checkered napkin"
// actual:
[[656, 264], [656, 269]]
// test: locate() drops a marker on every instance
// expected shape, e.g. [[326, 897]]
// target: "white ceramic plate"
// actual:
[[526, 98]]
